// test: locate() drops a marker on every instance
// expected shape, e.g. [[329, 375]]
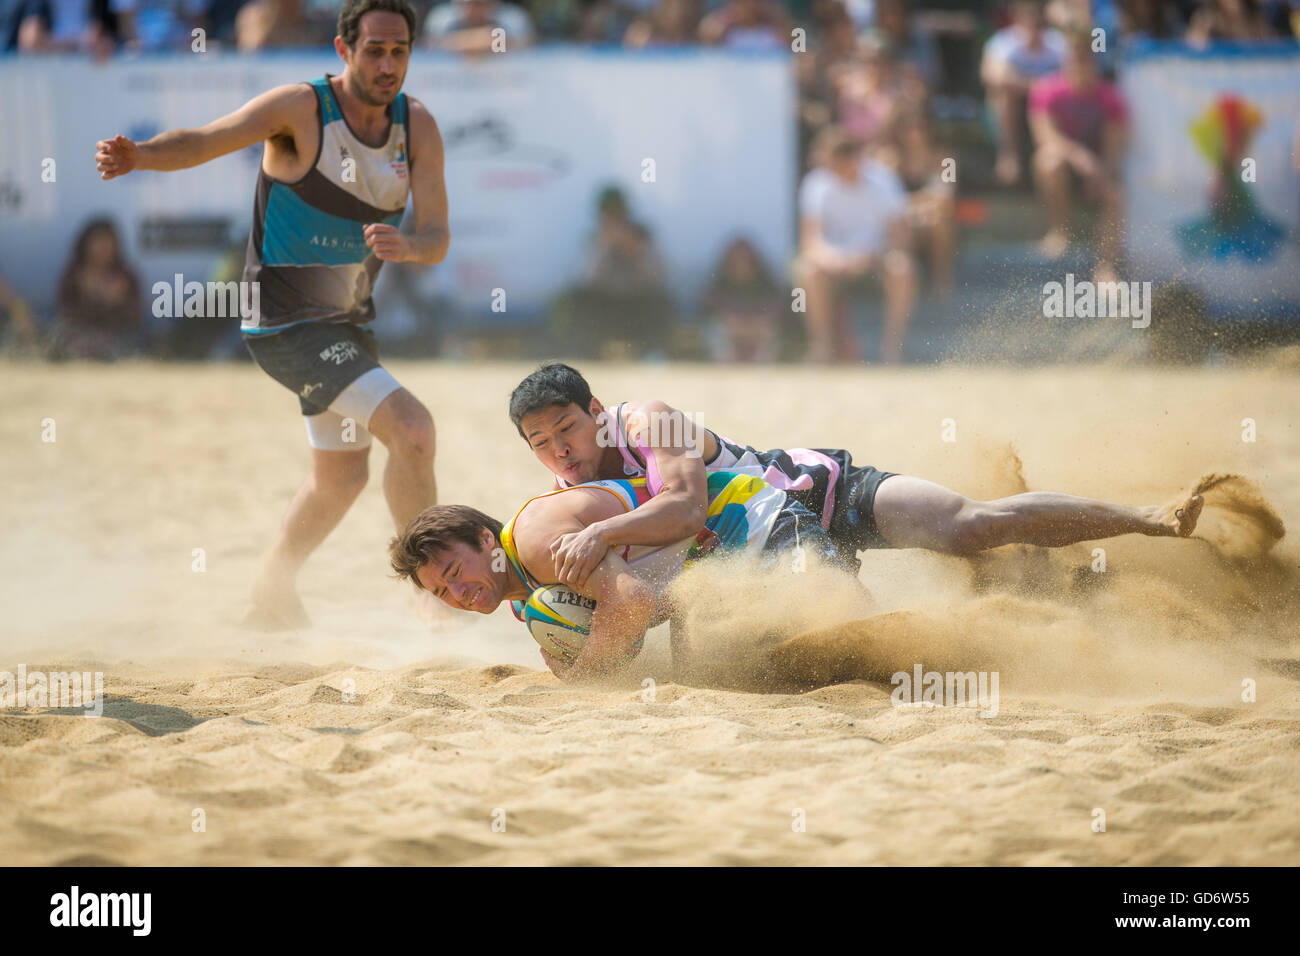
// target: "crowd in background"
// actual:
[[105, 27], [882, 85]]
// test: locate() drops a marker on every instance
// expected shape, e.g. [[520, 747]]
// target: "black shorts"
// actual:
[[853, 518], [797, 527], [316, 360]]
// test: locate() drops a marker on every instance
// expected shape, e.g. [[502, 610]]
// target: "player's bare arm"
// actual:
[[276, 115], [430, 236], [677, 512], [625, 603]]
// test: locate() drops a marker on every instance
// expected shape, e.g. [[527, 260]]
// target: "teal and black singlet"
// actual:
[[307, 249]]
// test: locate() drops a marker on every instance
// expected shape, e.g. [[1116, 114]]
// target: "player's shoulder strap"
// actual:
[[330, 111]]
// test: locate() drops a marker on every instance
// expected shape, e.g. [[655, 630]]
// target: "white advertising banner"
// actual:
[[1212, 190], [701, 142]]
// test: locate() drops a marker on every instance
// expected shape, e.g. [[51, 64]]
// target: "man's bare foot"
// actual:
[[1054, 244], [275, 608], [1177, 519]]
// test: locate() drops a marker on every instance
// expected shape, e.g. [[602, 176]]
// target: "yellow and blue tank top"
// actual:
[[308, 250], [741, 512]]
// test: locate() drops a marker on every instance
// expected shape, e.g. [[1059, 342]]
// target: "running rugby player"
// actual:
[[342, 154], [454, 552], [860, 507]]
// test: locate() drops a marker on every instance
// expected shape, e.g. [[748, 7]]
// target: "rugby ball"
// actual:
[[559, 620]]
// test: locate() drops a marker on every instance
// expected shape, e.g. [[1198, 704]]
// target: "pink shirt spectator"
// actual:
[[1081, 115]]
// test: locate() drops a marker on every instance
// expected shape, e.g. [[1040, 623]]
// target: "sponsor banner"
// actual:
[[702, 142], [1212, 191]]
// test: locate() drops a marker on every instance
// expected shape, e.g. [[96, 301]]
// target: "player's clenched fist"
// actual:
[[114, 157], [386, 242]]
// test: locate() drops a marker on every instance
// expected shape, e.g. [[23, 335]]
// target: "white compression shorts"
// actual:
[[344, 425]]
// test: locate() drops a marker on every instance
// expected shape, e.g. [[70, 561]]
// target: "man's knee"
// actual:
[[976, 527], [407, 431]]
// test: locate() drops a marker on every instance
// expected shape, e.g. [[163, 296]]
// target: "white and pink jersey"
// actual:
[[810, 476]]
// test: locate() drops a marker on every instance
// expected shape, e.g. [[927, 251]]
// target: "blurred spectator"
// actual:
[[17, 328], [556, 19], [1013, 59], [624, 299], [745, 305], [915, 51], [871, 95], [671, 23], [156, 25], [100, 312], [276, 24], [467, 26], [1151, 20], [59, 26], [747, 25], [831, 49], [1078, 121], [1232, 20], [931, 201], [853, 236]]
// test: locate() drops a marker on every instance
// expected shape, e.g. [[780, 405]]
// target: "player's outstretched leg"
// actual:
[[915, 513], [336, 479]]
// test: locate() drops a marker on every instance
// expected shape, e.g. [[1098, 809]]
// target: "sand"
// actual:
[[1120, 692]]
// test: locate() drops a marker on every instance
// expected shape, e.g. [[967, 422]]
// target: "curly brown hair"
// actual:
[[433, 530]]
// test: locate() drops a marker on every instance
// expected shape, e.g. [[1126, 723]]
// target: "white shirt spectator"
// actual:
[[1009, 45], [854, 217]]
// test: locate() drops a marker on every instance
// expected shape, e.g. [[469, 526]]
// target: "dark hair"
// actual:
[[81, 248], [352, 11], [553, 384], [433, 530], [723, 283]]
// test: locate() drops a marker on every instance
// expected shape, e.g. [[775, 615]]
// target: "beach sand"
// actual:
[[1121, 692]]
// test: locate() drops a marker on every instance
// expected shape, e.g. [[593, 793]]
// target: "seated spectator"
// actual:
[[831, 50], [59, 26], [466, 26], [914, 51], [931, 202], [1014, 58], [745, 305], [870, 95], [17, 328], [624, 302], [747, 25], [278, 24], [670, 23], [100, 311], [853, 237], [1078, 122], [1238, 21]]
